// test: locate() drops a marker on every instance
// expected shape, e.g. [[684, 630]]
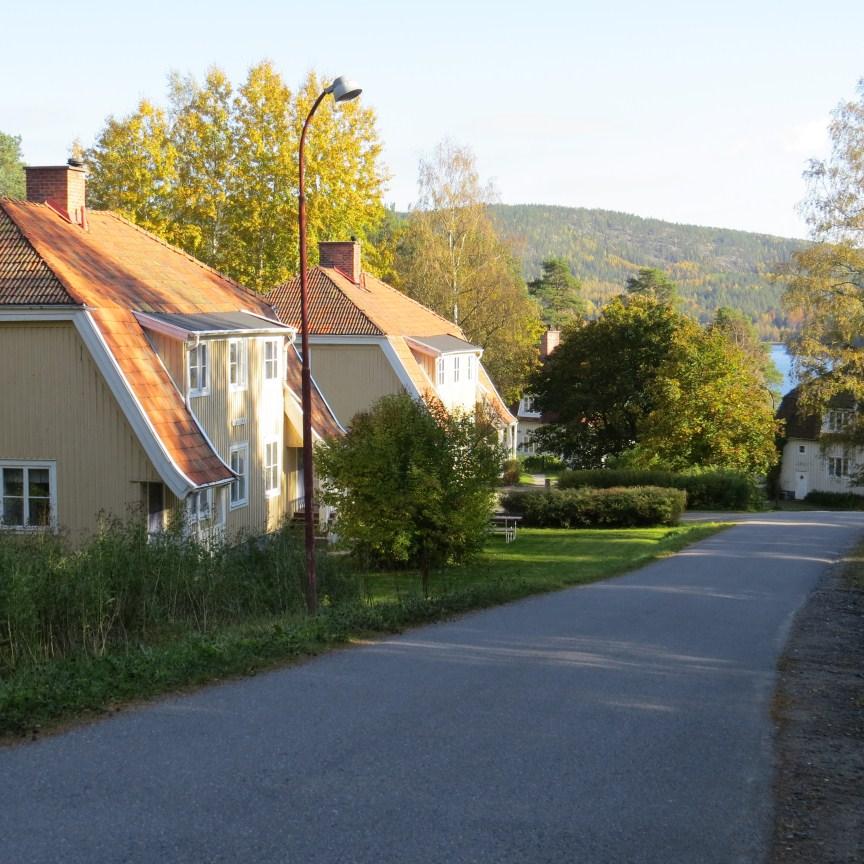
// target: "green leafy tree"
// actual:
[[559, 293], [599, 381], [204, 136], [654, 283], [650, 386], [452, 259], [131, 169], [216, 172], [11, 167], [711, 407], [413, 484], [826, 285], [739, 330]]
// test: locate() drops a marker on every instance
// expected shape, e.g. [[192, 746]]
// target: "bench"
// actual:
[[503, 523]]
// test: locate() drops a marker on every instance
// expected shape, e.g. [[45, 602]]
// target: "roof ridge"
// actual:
[[63, 284], [416, 303], [326, 275], [161, 240]]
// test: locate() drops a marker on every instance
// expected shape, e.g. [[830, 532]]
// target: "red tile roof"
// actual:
[[330, 311], [113, 268], [338, 306], [25, 279]]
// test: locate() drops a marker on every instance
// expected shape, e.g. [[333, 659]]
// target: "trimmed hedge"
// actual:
[[706, 490], [836, 500], [598, 508], [542, 464]]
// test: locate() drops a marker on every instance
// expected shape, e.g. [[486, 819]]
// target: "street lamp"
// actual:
[[342, 90]]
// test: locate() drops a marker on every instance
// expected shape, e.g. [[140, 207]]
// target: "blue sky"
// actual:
[[699, 112]]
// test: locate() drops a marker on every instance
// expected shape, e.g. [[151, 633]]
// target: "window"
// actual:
[[271, 359], [29, 495], [240, 465], [199, 379], [469, 367], [238, 364], [200, 504], [838, 467], [439, 370], [456, 370], [838, 420], [802, 448], [271, 468]]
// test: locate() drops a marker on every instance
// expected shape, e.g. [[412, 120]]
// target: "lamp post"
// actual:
[[343, 90]]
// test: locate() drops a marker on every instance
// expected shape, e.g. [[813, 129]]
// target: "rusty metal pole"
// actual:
[[306, 388]]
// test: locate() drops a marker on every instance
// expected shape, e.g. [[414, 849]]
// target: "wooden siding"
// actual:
[[252, 416], [352, 378], [172, 353], [57, 406], [805, 467]]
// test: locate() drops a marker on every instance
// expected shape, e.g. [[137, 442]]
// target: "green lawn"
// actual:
[[543, 559]]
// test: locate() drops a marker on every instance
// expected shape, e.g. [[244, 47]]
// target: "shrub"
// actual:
[[598, 508], [512, 472], [412, 483], [706, 490], [836, 500], [543, 464]]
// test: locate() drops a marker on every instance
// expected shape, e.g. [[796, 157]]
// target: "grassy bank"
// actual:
[[89, 679]]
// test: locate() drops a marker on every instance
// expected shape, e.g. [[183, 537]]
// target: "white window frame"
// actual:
[[838, 466], [237, 449], [27, 464], [196, 352], [440, 371], [456, 372], [241, 365], [271, 363], [838, 419], [193, 505], [469, 367], [272, 470]]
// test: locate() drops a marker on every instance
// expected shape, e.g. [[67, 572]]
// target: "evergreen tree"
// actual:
[[559, 293]]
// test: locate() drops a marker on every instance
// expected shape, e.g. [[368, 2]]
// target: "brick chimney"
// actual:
[[61, 187], [344, 255], [549, 341]]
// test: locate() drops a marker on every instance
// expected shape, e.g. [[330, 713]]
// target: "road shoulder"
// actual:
[[819, 717]]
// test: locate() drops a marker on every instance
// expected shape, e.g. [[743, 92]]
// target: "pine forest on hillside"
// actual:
[[712, 267]]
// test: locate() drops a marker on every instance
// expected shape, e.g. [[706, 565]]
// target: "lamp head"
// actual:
[[344, 89]]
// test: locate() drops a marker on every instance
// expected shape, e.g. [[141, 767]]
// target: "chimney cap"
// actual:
[[72, 162]]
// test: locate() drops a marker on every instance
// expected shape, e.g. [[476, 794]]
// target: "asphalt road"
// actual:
[[626, 721]]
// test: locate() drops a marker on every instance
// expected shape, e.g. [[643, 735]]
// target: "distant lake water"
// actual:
[[783, 362]]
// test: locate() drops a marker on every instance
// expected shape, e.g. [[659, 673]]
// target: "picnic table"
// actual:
[[504, 523]]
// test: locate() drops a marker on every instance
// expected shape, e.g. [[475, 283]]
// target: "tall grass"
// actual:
[[122, 587]]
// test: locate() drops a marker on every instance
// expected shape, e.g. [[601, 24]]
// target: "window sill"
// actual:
[[239, 505]]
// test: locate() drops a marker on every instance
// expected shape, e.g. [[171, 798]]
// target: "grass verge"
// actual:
[[44, 695]]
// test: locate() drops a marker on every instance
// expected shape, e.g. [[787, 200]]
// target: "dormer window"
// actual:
[[199, 374], [439, 370], [456, 369], [469, 367]]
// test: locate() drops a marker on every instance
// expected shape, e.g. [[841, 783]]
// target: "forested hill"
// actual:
[[711, 266]]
